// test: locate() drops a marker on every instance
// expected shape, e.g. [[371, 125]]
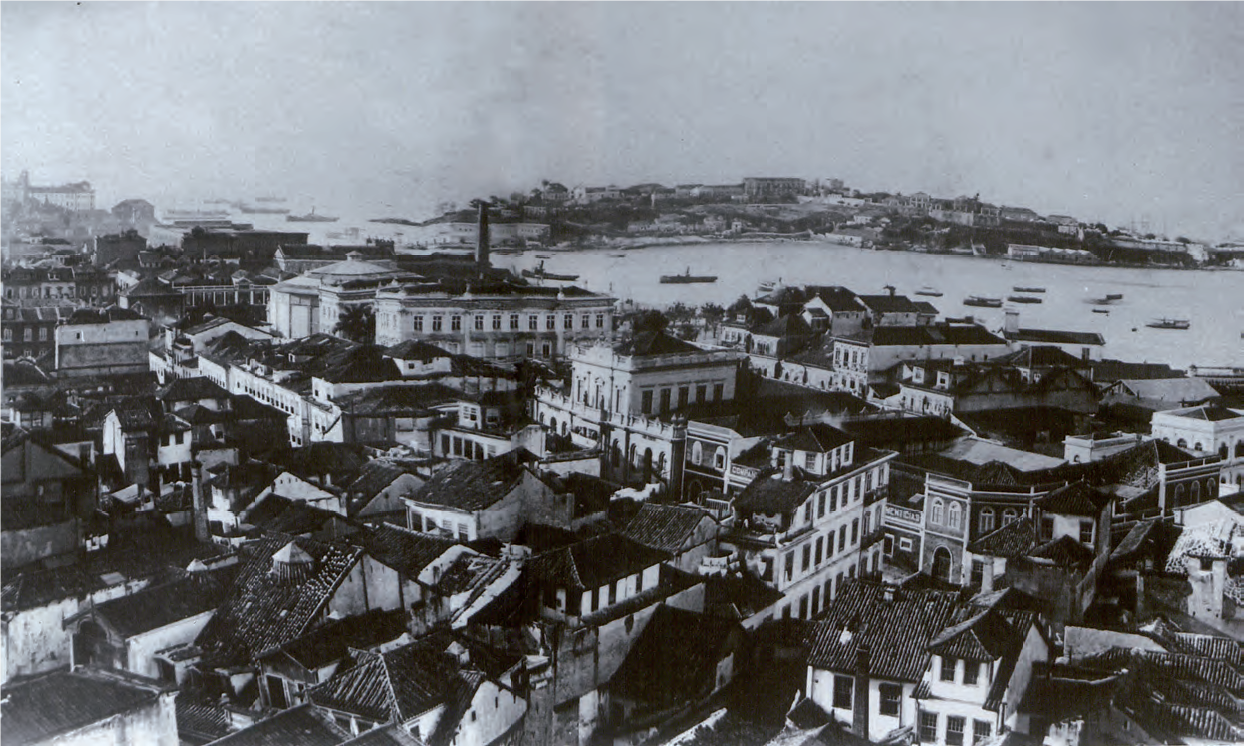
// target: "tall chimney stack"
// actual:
[[863, 681], [483, 241]]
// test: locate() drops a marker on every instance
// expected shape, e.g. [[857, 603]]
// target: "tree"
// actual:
[[357, 324], [650, 321], [713, 314]]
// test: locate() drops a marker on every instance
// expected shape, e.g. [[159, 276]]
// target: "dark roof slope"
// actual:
[[665, 527], [1010, 540], [305, 725], [894, 630], [696, 642], [594, 562], [475, 485], [392, 686], [654, 343], [817, 438], [1076, 498], [160, 605], [46, 706], [333, 641], [770, 494]]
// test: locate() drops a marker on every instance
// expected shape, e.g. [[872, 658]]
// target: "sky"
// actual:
[[1120, 112]]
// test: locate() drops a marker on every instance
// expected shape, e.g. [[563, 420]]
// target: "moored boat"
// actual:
[[1101, 310], [686, 278], [930, 291], [1022, 289], [1024, 299], [977, 300], [1169, 324], [310, 217], [253, 210], [1114, 296], [540, 273]]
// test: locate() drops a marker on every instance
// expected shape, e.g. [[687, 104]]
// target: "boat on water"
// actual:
[[1101, 310], [686, 278], [1114, 296], [310, 217], [1021, 289], [544, 256], [982, 302], [1105, 301], [1024, 299], [540, 273], [1169, 324], [259, 210], [932, 292], [618, 255]]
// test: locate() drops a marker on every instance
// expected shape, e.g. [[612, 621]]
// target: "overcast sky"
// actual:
[[1118, 111]]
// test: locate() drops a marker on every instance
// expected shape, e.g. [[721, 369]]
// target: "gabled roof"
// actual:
[[333, 641], [593, 563], [416, 349], [475, 485], [665, 527], [44, 707], [889, 303], [941, 334], [790, 325], [654, 343], [1010, 540], [771, 494], [193, 389], [392, 686], [1055, 336], [1210, 413], [1076, 498], [674, 661], [406, 551], [1040, 356], [264, 609], [815, 438], [375, 476], [1064, 551], [894, 625], [160, 605], [986, 636], [305, 725]]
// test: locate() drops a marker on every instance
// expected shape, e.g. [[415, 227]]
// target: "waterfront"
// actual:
[[1212, 300]]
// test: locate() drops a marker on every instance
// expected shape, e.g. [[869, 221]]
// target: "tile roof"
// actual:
[[889, 303], [594, 562], [1064, 551], [817, 438], [201, 720], [1054, 336], [665, 527], [391, 686], [982, 637], [406, 551], [389, 735], [738, 596], [655, 343], [46, 706], [192, 389], [1010, 540], [374, 477], [1076, 498], [696, 641], [475, 485], [1211, 413], [333, 641], [400, 400], [770, 494], [895, 632], [416, 349], [264, 609], [945, 334], [160, 605], [304, 725]]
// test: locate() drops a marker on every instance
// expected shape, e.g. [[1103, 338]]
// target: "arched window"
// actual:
[[1179, 495], [986, 520], [719, 458], [1010, 515], [1197, 447], [955, 513], [1196, 493], [937, 510], [1181, 443], [697, 453], [1239, 449], [1211, 488], [1223, 451]]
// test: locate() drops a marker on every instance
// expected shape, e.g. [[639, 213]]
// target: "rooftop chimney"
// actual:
[[1011, 326], [483, 241]]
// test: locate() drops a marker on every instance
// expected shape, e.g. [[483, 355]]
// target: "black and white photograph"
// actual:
[[622, 373]]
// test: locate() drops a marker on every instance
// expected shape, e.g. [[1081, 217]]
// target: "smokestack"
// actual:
[[859, 710], [482, 243]]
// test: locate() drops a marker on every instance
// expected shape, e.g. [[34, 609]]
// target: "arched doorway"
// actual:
[[941, 564], [647, 466]]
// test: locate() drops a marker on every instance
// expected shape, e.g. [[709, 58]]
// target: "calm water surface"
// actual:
[[1212, 301]]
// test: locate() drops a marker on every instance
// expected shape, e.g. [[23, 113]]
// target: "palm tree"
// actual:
[[357, 324]]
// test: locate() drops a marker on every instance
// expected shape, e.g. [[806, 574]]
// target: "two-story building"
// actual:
[[1205, 430]]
